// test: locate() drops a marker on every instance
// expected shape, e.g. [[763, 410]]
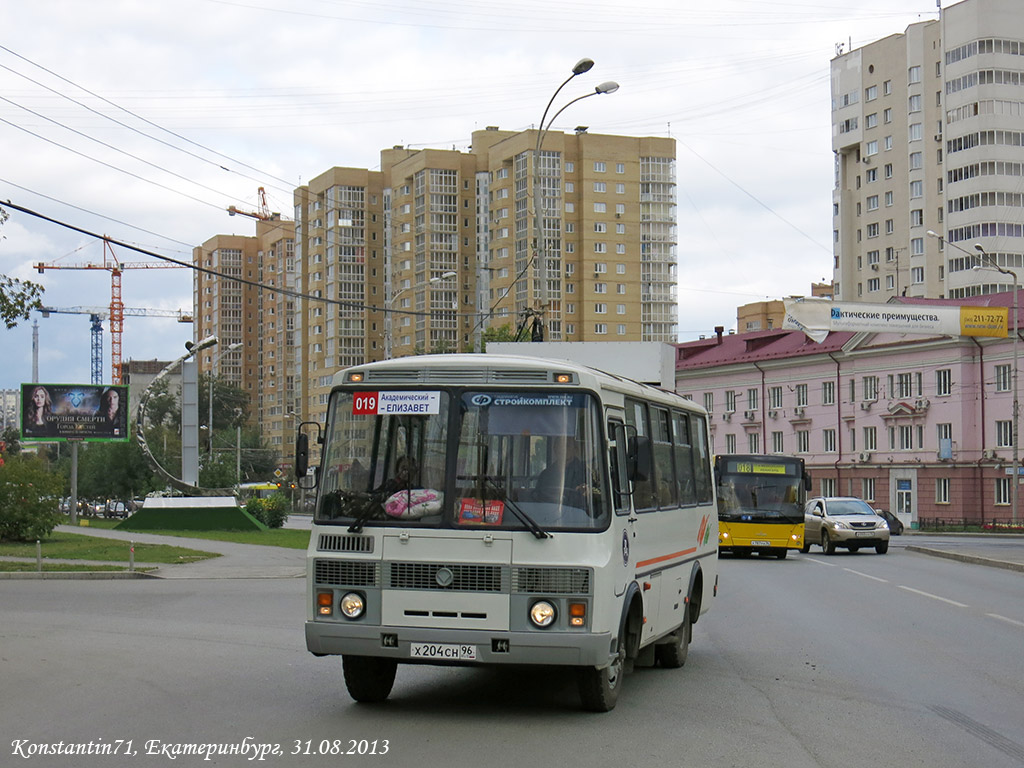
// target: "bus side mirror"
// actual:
[[301, 455], [638, 456]]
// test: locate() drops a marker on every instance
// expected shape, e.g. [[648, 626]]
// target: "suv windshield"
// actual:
[[838, 507], [455, 458]]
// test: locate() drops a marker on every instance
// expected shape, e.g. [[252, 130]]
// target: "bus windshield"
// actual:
[[464, 459], [759, 497]]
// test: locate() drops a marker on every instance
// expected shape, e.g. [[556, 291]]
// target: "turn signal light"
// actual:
[[324, 603], [577, 614]]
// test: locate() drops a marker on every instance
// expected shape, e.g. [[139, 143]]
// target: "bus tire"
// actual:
[[806, 546], [599, 688], [781, 553], [369, 679], [672, 655]]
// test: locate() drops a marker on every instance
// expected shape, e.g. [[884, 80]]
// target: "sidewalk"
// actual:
[[236, 561], [996, 551]]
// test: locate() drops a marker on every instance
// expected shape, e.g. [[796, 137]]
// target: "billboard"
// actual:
[[74, 411]]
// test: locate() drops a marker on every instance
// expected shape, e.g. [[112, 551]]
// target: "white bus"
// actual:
[[482, 509]]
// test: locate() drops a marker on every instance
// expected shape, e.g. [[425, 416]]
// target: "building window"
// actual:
[[730, 401], [621, 329], [917, 217], [914, 103], [600, 186], [874, 284], [914, 132], [803, 441], [774, 397], [620, 167], [872, 202], [867, 489], [730, 443], [1004, 434], [916, 189], [870, 438], [601, 329], [916, 161], [871, 93], [872, 230], [871, 121], [599, 166], [801, 395], [871, 175], [943, 381], [942, 490], [828, 440], [777, 442], [828, 486], [620, 188], [600, 207], [1003, 491], [828, 393], [913, 75], [709, 402], [1004, 378], [917, 275], [754, 442]]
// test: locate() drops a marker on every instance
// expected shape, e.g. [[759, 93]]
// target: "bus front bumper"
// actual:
[[490, 647]]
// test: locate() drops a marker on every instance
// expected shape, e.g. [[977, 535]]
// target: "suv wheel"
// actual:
[[826, 543]]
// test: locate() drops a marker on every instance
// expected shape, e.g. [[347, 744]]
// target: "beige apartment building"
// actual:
[[927, 136], [432, 250], [437, 247]]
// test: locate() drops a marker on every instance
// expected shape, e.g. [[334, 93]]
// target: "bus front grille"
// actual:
[[551, 581], [346, 573], [333, 542], [449, 577]]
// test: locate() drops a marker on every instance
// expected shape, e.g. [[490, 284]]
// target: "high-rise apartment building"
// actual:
[[927, 136], [439, 245]]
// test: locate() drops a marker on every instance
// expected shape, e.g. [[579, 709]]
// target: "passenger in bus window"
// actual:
[[565, 476]]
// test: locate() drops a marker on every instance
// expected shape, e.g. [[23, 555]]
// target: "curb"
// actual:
[[75, 575], [973, 559]]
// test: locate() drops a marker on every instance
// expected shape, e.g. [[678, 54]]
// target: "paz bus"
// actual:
[[761, 503], [497, 510]]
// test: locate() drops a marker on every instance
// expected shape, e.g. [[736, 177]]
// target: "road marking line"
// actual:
[[934, 597], [821, 562], [1003, 618], [867, 575]]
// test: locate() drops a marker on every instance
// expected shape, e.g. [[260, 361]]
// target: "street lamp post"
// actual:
[[583, 65], [390, 310], [990, 263]]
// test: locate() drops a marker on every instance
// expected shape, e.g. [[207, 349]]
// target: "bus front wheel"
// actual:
[[599, 688], [369, 680]]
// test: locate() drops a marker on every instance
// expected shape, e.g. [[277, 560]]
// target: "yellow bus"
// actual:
[[498, 510], [761, 503]]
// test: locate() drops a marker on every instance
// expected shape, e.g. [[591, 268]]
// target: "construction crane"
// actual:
[[116, 310], [261, 214], [96, 317]]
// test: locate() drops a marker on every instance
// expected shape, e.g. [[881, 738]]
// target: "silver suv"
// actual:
[[843, 521]]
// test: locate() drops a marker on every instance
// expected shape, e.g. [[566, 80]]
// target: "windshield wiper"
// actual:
[[525, 519], [367, 505]]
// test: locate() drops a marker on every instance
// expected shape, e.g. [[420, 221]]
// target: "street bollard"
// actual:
[[131, 558], [39, 556]]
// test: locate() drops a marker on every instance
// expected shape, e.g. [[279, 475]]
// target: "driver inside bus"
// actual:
[[565, 476]]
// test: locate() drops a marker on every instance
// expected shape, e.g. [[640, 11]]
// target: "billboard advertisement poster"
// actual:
[[74, 411]]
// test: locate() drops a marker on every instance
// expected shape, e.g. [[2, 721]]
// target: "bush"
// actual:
[[271, 512], [29, 499]]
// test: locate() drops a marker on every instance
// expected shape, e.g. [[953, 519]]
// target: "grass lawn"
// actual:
[[72, 546], [291, 538]]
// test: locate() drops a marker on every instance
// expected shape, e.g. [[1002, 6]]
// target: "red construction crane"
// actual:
[[115, 267]]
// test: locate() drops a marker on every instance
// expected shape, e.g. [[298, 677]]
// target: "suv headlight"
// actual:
[[839, 524]]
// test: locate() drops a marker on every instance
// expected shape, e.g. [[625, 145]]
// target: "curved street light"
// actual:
[[583, 65], [390, 310], [988, 262]]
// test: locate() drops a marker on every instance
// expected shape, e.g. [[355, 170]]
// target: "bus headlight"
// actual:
[[352, 605], [542, 613]]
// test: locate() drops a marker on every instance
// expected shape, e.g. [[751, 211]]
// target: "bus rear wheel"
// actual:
[[599, 688], [369, 680], [673, 654]]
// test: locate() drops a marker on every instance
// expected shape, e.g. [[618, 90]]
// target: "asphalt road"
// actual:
[[843, 661]]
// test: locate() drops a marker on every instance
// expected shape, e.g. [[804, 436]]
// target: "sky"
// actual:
[[143, 121]]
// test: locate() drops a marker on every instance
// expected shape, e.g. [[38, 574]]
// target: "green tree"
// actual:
[[17, 297], [29, 499], [11, 438], [501, 333], [115, 471]]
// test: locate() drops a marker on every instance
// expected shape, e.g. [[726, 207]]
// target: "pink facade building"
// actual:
[[922, 426]]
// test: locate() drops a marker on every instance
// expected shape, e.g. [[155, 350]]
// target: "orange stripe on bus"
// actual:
[[665, 557]]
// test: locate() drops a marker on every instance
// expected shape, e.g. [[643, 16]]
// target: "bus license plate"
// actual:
[[760, 543], [442, 651]]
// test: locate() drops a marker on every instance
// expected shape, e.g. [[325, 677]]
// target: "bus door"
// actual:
[[624, 521]]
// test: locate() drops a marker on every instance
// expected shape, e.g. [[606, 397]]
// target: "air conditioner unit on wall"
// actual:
[[750, 415], [727, 416], [863, 457], [988, 453], [773, 413], [798, 411], [866, 405]]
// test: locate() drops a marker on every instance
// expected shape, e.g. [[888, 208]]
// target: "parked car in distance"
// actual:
[[115, 508], [895, 524], [843, 521]]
